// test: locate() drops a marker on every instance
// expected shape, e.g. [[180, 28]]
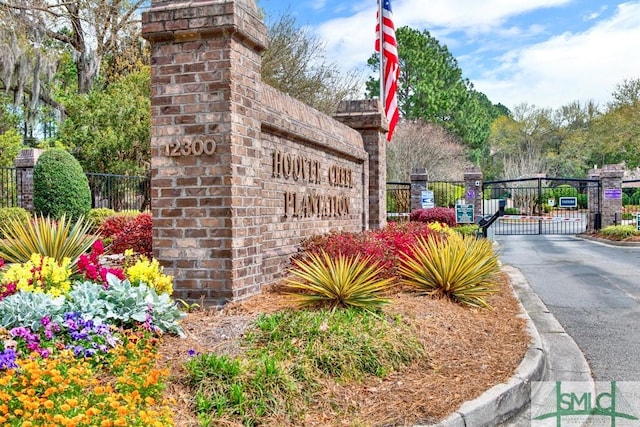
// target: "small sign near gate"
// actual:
[[638, 220], [568, 202], [427, 199], [464, 214]]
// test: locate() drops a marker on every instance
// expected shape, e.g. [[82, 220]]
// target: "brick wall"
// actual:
[[242, 173]]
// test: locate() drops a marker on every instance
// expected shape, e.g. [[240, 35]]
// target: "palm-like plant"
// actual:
[[58, 239], [338, 282], [458, 267]]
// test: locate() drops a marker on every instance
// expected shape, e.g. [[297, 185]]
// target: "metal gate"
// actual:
[[542, 205]]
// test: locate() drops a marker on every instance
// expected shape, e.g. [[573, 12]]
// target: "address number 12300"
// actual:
[[193, 147]]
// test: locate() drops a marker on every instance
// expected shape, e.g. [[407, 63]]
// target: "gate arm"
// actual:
[[486, 223]]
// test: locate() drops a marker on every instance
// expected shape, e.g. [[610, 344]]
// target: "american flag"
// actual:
[[389, 65]]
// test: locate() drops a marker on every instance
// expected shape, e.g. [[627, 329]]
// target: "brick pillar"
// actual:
[[594, 219], [205, 144], [473, 189], [611, 196], [24, 163], [367, 117], [419, 181]]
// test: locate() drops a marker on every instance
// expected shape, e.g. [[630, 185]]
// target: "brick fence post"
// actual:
[[611, 194], [473, 189], [419, 181], [367, 117], [24, 164], [205, 145], [594, 214]]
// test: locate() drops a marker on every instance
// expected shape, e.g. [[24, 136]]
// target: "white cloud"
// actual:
[[511, 63], [570, 67]]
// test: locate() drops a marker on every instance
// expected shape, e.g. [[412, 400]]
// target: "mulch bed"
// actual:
[[470, 350]]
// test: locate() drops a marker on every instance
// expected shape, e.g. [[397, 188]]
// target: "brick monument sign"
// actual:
[[242, 173]]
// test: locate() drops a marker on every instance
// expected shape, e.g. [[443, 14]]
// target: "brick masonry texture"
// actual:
[[242, 173]]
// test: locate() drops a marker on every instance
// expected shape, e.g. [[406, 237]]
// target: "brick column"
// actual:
[[594, 219], [24, 163], [473, 189], [419, 181], [367, 117], [611, 196], [205, 181]]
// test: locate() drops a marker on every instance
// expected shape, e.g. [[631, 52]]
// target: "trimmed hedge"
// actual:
[[60, 186]]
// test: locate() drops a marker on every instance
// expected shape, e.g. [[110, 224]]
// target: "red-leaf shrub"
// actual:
[[129, 232], [383, 246], [441, 215]]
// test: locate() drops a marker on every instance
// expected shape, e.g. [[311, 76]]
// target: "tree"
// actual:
[[109, 130], [626, 93], [294, 63], [417, 144], [91, 29], [431, 88], [517, 142]]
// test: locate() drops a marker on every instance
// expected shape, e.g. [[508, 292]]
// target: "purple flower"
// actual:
[[192, 352], [8, 359]]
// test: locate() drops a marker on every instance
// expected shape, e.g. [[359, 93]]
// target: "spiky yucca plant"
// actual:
[[459, 267], [58, 239], [338, 282]]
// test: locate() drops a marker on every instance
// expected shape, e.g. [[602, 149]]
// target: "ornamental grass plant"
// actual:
[[459, 267], [342, 281], [57, 239]]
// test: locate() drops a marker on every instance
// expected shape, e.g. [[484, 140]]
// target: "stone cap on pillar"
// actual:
[[473, 172], [612, 171], [27, 157], [204, 19], [419, 174], [362, 114]]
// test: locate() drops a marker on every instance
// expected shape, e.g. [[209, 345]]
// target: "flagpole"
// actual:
[[381, 38]]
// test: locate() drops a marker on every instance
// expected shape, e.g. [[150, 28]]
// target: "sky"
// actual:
[[546, 53]]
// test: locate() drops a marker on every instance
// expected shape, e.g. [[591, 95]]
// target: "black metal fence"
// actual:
[[542, 205], [120, 192], [10, 187], [117, 192], [630, 201], [398, 201], [445, 194]]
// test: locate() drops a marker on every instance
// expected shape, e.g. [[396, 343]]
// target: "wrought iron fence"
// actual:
[[117, 192], [630, 201], [398, 201], [10, 186], [445, 194]]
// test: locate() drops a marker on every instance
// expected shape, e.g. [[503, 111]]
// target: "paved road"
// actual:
[[593, 290]]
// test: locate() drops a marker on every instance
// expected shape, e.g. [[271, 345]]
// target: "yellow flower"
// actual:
[[150, 273]]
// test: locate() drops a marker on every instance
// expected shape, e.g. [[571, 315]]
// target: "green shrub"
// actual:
[[511, 211], [13, 214], [97, 217], [60, 187], [565, 190], [620, 232], [467, 229], [461, 268], [446, 194]]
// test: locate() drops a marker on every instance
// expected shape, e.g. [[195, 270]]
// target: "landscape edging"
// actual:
[[504, 400]]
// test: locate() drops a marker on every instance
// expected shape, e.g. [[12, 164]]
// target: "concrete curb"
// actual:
[[608, 242], [548, 337]]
